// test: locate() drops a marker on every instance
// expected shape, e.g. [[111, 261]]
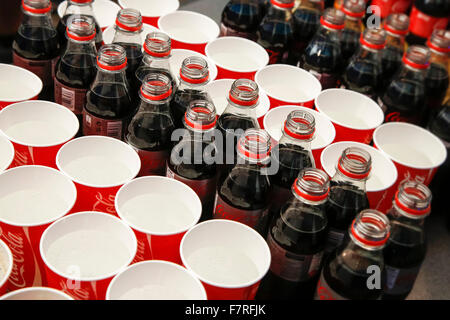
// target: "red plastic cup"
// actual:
[[228, 257], [236, 57], [108, 34], [6, 153], [177, 57], [416, 152], [31, 198], [219, 91], [155, 280], [18, 85], [36, 293], [288, 85], [84, 251], [189, 30], [159, 210], [99, 166], [37, 130], [354, 115], [382, 176], [151, 10], [6, 266], [105, 12], [324, 136]]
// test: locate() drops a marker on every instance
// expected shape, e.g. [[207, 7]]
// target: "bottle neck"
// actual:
[[409, 73], [354, 24], [369, 54], [81, 47], [108, 77], [157, 106], [440, 58], [193, 86], [396, 41], [123, 36], [281, 6], [156, 62], [79, 8], [37, 20], [248, 112], [340, 178]]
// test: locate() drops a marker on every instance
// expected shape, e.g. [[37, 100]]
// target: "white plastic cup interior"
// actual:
[[232, 235], [101, 146], [350, 109], [177, 57], [61, 123], [18, 84], [6, 262], [108, 34], [275, 118], [6, 153], [383, 174], [410, 145], [88, 220], [288, 83], [44, 181], [154, 185], [151, 8], [36, 293], [237, 54], [105, 11], [219, 91], [175, 282], [189, 27]]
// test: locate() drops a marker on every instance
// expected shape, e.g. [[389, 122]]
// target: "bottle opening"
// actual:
[[354, 8], [333, 19], [80, 28], [284, 4], [194, 70], [371, 228], [244, 92], [355, 163], [300, 125], [112, 57], [254, 145], [413, 198], [81, 1], [374, 38], [397, 24], [417, 57], [129, 20], [157, 44], [440, 41], [37, 6], [312, 185], [156, 86], [200, 115]]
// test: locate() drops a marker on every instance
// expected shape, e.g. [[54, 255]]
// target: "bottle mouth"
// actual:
[[300, 125], [194, 70], [112, 57], [371, 228], [244, 92], [312, 184], [200, 115], [156, 87], [37, 6], [81, 1], [354, 8], [414, 198], [333, 19], [284, 4], [417, 57], [373, 39], [254, 145], [397, 23], [439, 41], [129, 20], [355, 163], [157, 44], [81, 28]]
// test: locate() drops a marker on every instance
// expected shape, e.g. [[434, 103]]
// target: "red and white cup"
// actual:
[[237, 58], [83, 265], [416, 152], [108, 34], [323, 137], [105, 12], [6, 153], [113, 164], [228, 257], [151, 10], [354, 115], [379, 186], [177, 57], [155, 280], [18, 85], [288, 85], [38, 195], [36, 293], [37, 130], [189, 30], [219, 90], [159, 223], [6, 266]]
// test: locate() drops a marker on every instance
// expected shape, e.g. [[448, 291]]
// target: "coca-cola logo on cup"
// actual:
[[16, 245], [104, 203], [75, 291]]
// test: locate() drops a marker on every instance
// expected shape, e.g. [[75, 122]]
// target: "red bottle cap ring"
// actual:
[[78, 38], [251, 155], [297, 135], [414, 212], [128, 28], [34, 10], [413, 64], [310, 197], [353, 14], [282, 5], [395, 31], [358, 176], [371, 45], [365, 241], [436, 48], [156, 54], [194, 81], [330, 25], [241, 102], [163, 96], [112, 68], [201, 126], [82, 1]]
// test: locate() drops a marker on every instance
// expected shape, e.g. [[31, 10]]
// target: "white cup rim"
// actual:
[[150, 178], [124, 4], [243, 40], [64, 213], [156, 262], [8, 272], [211, 283], [31, 289], [87, 279], [11, 152], [25, 98]]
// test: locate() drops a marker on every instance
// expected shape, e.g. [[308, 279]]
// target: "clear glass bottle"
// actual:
[[241, 18], [354, 11], [296, 239]]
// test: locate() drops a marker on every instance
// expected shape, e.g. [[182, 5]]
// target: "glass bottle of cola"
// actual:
[[404, 98], [406, 247], [150, 130], [108, 106], [323, 55], [364, 72], [35, 45], [241, 18], [194, 76], [354, 13], [192, 160], [296, 239], [243, 190], [275, 33], [83, 7], [396, 26], [347, 193], [157, 49], [76, 69], [356, 270]]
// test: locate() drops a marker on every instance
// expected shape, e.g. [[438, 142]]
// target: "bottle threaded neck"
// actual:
[[397, 24], [112, 57], [200, 115], [374, 38], [157, 44], [354, 8], [413, 198], [36, 6], [254, 145], [81, 28], [371, 228], [156, 87], [355, 163], [129, 20], [440, 41], [312, 185], [244, 92], [333, 19], [417, 57], [283, 4], [300, 125], [194, 70]]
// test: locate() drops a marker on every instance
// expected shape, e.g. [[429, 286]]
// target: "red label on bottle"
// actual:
[[391, 6], [397, 116], [327, 80], [44, 69], [422, 25], [228, 32], [324, 292], [251, 218], [72, 98], [153, 163], [400, 281], [93, 125]]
